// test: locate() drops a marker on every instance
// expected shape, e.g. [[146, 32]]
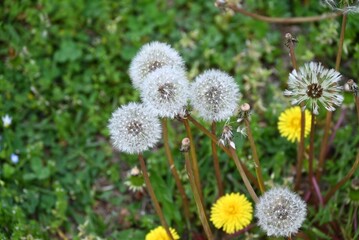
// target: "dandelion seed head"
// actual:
[[227, 136], [231, 212], [313, 84], [215, 95], [153, 56], [280, 212], [134, 129], [159, 233], [134, 180], [165, 91]]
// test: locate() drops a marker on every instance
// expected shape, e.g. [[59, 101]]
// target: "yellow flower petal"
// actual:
[[159, 233], [289, 123], [231, 212]]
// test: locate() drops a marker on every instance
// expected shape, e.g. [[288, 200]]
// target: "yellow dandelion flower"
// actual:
[[289, 123], [232, 212], [159, 233]]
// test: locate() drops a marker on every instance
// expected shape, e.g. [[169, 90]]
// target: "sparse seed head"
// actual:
[[165, 91], [280, 212], [312, 84], [215, 95], [151, 57], [346, 6], [134, 180], [185, 145], [134, 129], [351, 86]]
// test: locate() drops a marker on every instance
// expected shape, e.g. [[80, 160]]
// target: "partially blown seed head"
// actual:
[[151, 57], [313, 84], [165, 91], [346, 6], [215, 95], [280, 212], [134, 129]]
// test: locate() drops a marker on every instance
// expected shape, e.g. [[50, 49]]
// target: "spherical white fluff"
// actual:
[[134, 129], [215, 95], [280, 212], [165, 91], [153, 56]]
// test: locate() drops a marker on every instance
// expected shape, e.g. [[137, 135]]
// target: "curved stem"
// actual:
[[278, 20], [197, 198], [194, 159], [311, 150], [357, 105], [216, 162], [225, 149], [153, 196], [333, 190], [257, 165], [328, 119], [174, 170], [243, 175], [300, 149], [209, 134]]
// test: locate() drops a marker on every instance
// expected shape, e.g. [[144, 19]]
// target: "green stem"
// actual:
[[225, 149], [194, 159], [257, 165], [216, 162], [174, 170], [328, 119], [243, 175], [300, 149], [357, 105], [311, 150], [153, 196], [197, 198]]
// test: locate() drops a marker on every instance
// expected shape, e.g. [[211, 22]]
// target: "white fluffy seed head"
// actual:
[[215, 95], [314, 84], [165, 91], [153, 56], [134, 129], [280, 212]]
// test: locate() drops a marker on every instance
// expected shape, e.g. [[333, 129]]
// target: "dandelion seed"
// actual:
[[134, 129], [346, 6], [289, 123], [6, 120], [242, 131], [134, 180], [232, 213], [153, 56], [165, 91], [159, 233], [280, 212], [312, 84], [214, 94]]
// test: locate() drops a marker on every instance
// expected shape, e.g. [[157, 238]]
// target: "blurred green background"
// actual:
[[64, 69]]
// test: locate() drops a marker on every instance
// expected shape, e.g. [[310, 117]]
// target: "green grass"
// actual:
[[64, 69]]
